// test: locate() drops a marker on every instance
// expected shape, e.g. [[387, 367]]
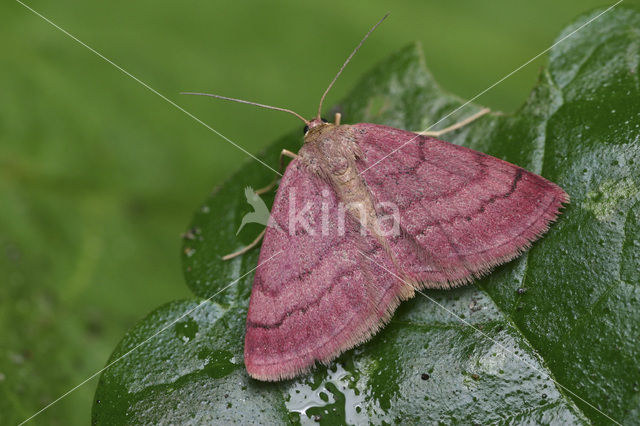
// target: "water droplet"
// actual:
[[186, 330], [218, 363]]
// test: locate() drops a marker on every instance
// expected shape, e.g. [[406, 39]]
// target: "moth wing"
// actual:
[[313, 295], [461, 212]]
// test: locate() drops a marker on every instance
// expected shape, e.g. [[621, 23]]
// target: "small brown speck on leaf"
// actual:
[[191, 233]]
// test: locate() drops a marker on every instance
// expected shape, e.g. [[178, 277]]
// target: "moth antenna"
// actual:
[[324, 95], [249, 103]]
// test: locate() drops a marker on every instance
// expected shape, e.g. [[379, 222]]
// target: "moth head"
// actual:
[[316, 122]]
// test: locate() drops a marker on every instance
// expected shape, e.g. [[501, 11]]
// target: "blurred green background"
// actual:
[[99, 176]]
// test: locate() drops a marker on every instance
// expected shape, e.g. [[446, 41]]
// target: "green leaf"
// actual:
[[563, 349]]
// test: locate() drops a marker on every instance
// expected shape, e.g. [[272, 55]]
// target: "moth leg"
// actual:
[[245, 249], [288, 154], [268, 187], [283, 153], [456, 126], [338, 117]]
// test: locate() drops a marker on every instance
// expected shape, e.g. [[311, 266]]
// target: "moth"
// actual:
[[364, 216]]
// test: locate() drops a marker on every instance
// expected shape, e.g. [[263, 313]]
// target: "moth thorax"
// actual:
[[338, 165]]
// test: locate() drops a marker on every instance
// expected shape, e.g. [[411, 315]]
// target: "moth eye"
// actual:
[[305, 130]]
